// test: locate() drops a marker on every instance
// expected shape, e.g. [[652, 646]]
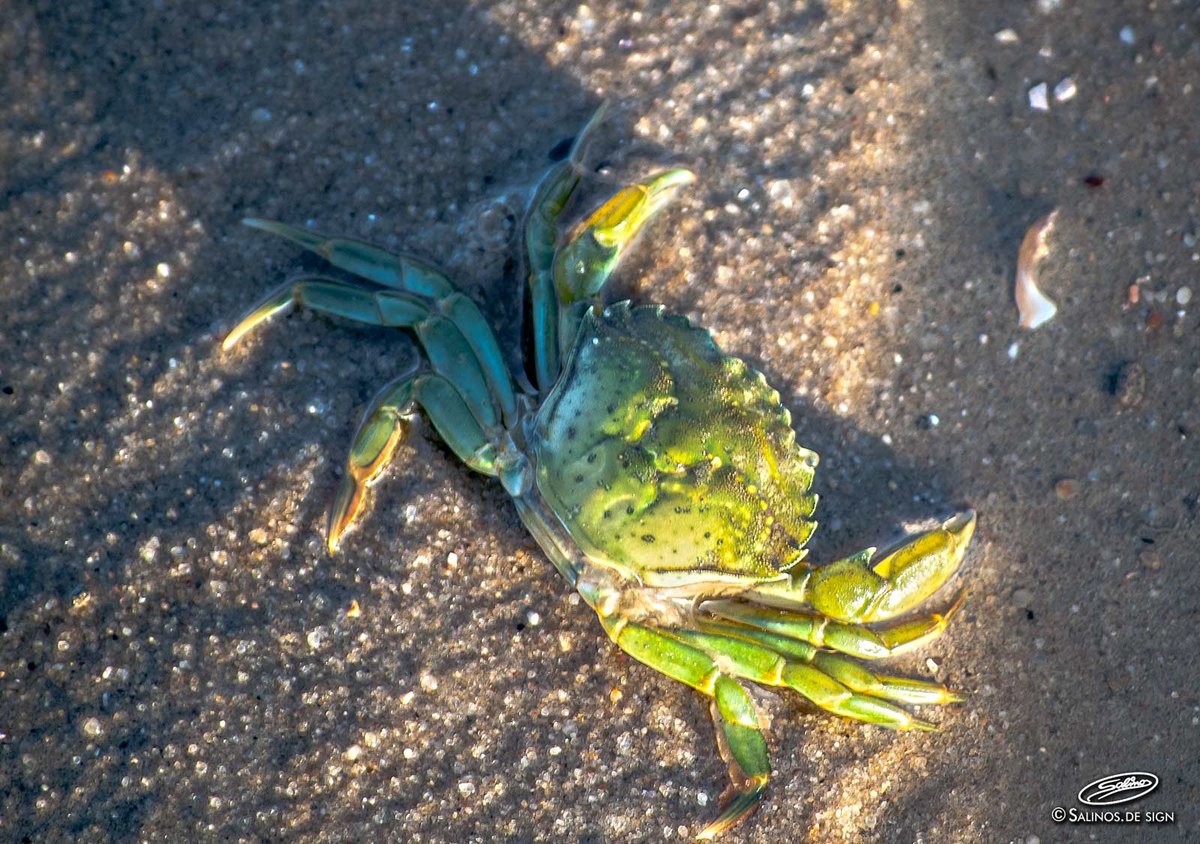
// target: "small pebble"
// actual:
[[1127, 35], [1006, 36], [1038, 99], [1150, 559], [1022, 598], [1066, 489], [1065, 90], [1183, 295]]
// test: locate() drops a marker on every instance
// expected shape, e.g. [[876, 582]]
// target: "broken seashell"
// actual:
[[1034, 306]]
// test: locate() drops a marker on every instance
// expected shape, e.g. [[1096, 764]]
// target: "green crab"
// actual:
[[660, 476]]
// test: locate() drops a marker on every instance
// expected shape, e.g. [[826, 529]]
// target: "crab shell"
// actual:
[[669, 461]]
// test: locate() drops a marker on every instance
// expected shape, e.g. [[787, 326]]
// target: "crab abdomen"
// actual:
[[668, 460]]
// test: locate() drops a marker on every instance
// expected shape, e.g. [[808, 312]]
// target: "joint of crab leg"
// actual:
[[386, 424]]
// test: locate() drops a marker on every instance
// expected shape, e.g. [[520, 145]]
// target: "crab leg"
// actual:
[[414, 282], [541, 239], [738, 732], [399, 272], [846, 671], [386, 424], [862, 589], [853, 639], [457, 340], [708, 661]]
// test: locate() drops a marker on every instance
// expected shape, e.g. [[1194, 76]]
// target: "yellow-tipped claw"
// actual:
[[615, 223], [583, 264]]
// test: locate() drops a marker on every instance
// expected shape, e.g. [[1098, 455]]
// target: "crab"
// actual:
[[660, 476]]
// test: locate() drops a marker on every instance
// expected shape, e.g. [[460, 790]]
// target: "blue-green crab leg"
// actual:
[[399, 272], [386, 424], [452, 330], [863, 588], [856, 640], [541, 238], [415, 283]]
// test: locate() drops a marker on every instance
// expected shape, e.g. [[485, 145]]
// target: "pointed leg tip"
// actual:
[[740, 807], [346, 505]]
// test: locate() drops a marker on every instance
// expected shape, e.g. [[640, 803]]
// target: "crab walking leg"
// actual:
[[541, 239], [457, 340], [856, 640], [585, 262], [862, 589], [744, 750], [848, 672], [386, 424], [739, 735], [399, 272], [406, 275], [751, 661]]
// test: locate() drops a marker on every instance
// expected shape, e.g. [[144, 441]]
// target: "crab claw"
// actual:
[[878, 588], [584, 263]]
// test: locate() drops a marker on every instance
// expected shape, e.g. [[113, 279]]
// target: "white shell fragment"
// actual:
[[1065, 90], [1033, 305], [1038, 98]]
